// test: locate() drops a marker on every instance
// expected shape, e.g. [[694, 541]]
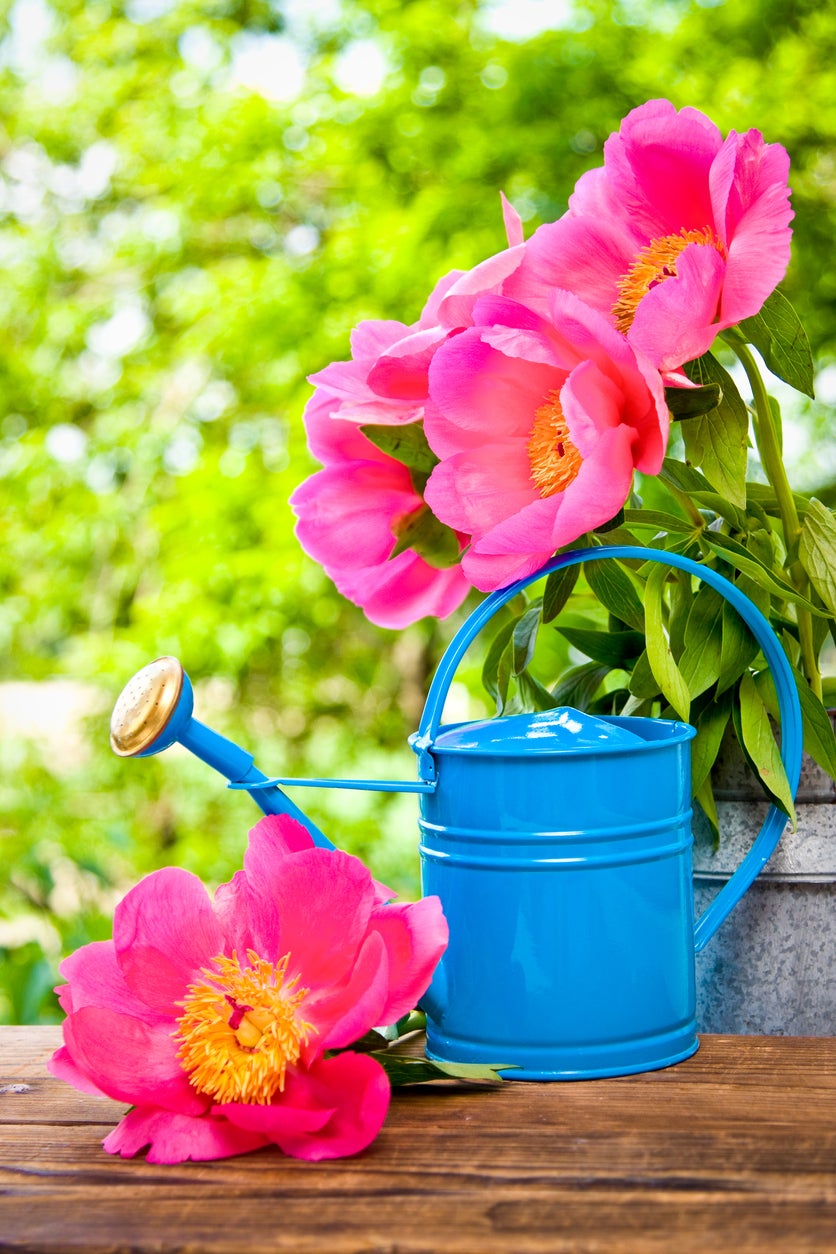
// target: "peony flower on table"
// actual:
[[680, 235], [216, 1019], [539, 423]]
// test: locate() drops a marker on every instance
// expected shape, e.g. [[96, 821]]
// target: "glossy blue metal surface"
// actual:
[[563, 863], [561, 730], [233, 762]]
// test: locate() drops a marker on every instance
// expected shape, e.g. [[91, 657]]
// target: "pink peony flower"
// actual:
[[352, 513], [539, 424], [214, 1018], [349, 517], [679, 235]]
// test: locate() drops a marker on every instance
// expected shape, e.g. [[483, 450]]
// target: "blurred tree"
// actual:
[[198, 200]]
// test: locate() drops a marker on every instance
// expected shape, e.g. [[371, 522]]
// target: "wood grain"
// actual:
[[734, 1149]]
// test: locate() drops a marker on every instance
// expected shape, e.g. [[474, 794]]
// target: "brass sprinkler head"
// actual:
[[145, 707]]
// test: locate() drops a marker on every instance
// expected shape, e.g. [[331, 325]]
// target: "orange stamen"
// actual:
[[553, 458], [240, 1029], [655, 263]]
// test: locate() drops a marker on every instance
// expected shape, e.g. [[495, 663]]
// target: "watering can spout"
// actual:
[[154, 711]]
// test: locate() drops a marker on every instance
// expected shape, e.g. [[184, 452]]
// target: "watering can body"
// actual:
[[560, 847], [565, 876]]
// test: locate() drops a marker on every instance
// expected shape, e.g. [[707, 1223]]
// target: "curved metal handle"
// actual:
[[788, 703]]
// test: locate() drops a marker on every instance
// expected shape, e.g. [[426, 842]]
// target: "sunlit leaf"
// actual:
[[662, 663], [759, 741], [779, 336]]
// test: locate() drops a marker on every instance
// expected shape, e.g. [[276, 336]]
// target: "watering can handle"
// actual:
[[788, 702]]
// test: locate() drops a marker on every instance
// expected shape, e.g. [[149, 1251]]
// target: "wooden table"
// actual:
[[734, 1149]]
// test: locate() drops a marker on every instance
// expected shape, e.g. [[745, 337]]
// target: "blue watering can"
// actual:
[[560, 846]]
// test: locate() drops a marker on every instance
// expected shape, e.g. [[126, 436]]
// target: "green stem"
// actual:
[[688, 505], [769, 449]]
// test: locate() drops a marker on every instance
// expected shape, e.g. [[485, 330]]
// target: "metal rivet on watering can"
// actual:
[[560, 846]]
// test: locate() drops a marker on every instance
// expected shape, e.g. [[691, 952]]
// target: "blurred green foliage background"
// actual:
[[198, 200]]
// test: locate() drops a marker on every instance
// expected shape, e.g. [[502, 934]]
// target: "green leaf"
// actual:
[[717, 442], [579, 685], [760, 745], [684, 478], [657, 519], [664, 668], [762, 495], [819, 740], [817, 551], [402, 1070], [408, 444], [557, 591], [612, 524], [422, 532], [616, 591], [533, 694], [490, 667], [689, 482], [733, 552], [613, 648], [710, 725], [700, 662], [693, 402], [643, 683], [705, 798], [738, 646], [778, 335], [525, 638]]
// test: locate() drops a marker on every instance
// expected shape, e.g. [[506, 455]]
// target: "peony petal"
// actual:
[[401, 372], [373, 336], [455, 310], [61, 1065], [481, 390], [352, 1088], [346, 513], [333, 438], [658, 165], [528, 531], [175, 1138], [677, 320], [759, 214], [429, 314], [165, 931], [466, 492], [282, 834], [248, 919], [600, 489], [343, 1013], [415, 935], [96, 979], [585, 255], [130, 1061], [404, 589], [512, 222], [324, 899], [488, 571], [591, 402]]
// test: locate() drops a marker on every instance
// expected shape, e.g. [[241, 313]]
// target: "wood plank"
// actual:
[[734, 1149]]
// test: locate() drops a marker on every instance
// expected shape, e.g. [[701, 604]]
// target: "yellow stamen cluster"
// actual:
[[240, 1029], [655, 263], [553, 458]]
